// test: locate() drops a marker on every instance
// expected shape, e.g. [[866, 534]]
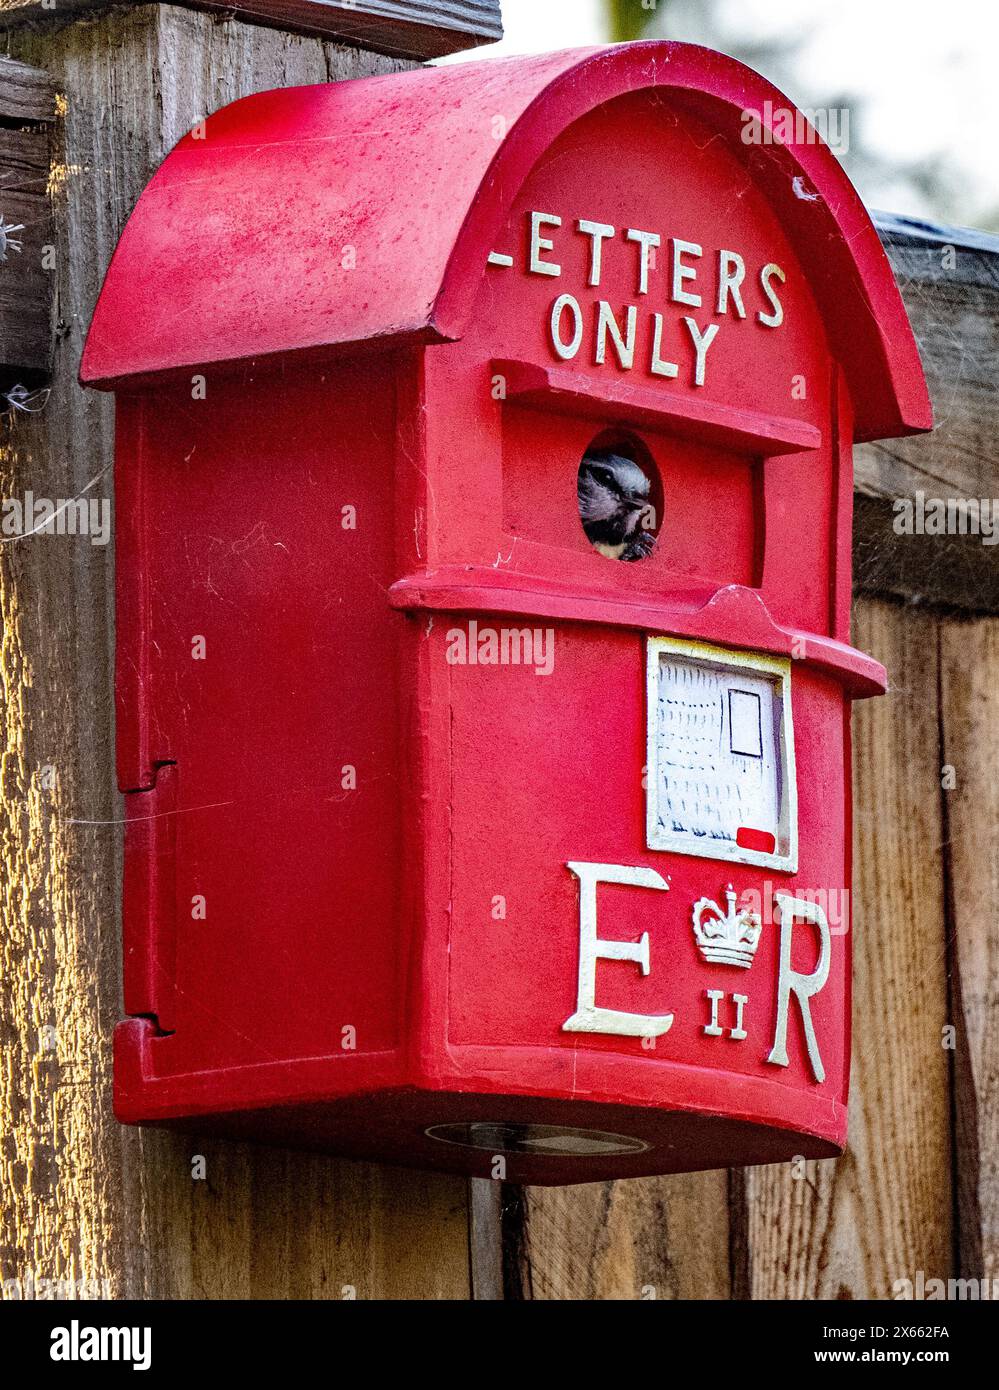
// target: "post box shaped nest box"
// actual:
[[484, 492]]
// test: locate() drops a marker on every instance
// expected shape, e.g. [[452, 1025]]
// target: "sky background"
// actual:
[[919, 80]]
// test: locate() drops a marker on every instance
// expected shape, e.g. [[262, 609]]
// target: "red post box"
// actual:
[[484, 494]]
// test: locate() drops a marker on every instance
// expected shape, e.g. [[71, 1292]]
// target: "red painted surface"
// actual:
[[762, 840], [318, 963]]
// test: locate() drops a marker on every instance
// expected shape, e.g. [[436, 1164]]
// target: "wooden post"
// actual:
[[969, 664], [27, 110], [413, 29]]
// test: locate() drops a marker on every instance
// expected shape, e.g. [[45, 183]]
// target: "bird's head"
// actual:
[[613, 496]]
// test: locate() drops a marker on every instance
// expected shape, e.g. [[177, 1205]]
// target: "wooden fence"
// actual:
[[82, 1198]]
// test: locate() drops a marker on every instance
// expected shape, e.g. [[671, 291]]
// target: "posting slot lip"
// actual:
[[734, 428], [733, 616]]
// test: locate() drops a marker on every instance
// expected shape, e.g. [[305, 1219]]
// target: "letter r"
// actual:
[[803, 986]]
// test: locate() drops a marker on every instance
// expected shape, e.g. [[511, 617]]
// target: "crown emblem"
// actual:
[[726, 938]]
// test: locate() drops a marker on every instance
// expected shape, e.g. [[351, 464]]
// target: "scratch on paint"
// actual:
[[800, 191]]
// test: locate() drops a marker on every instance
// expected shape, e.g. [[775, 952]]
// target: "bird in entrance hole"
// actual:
[[614, 505]]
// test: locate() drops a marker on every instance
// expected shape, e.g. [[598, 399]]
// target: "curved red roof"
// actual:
[[329, 216]]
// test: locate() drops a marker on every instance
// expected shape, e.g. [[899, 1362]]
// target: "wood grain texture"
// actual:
[[82, 1198], [955, 571], [25, 283], [970, 699], [416, 29], [485, 1239], [949, 279], [25, 93], [850, 1228], [648, 1238]]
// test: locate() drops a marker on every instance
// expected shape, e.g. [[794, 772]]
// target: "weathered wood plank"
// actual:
[[402, 28], [970, 700], [851, 1227], [25, 93], [24, 158], [951, 571], [25, 224], [485, 1239], [949, 278], [273, 1224], [648, 1238], [80, 1196]]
